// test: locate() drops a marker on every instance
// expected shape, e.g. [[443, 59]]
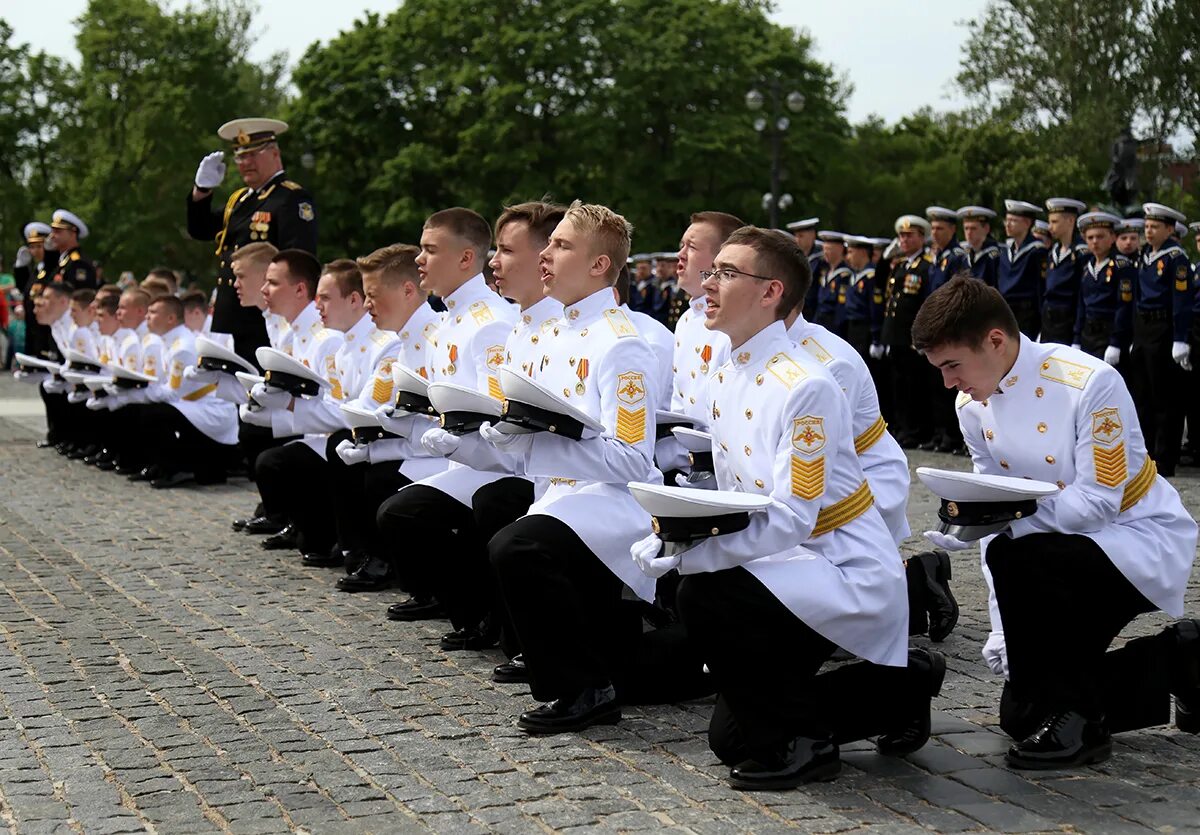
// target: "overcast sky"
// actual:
[[899, 56]]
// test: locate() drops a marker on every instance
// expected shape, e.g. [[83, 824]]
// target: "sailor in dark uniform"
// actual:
[[270, 207], [1064, 271], [1104, 321], [66, 231], [805, 232], [1022, 266], [982, 252]]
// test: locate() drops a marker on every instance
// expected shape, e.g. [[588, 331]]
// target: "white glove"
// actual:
[[201, 376], [1076, 346], [77, 396], [351, 454], [439, 442], [157, 394], [995, 654], [512, 444], [53, 386], [1181, 353], [270, 397], [31, 377], [1112, 355], [403, 424], [876, 351], [947, 542], [24, 257], [254, 417], [230, 389], [645, 553], [887, 350], [96, 404], [211, 172]]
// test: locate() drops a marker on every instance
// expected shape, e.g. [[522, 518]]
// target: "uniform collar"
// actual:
[[589, 307], [762, 345], [1030, 243], [1170, 246], [276, 177], [1095, 267], [798, 329], [360, 330], [174, 333], [1024, 369], [64, 322], [950, 247], [471, 290], [698, 304], [865, 271], [910, 260], [419, 320], [540, 311], [142, 329]]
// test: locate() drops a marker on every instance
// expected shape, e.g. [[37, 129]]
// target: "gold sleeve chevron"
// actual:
[[381, 390], [176, 379], [631, 425], [1111, 469], [808, 477]]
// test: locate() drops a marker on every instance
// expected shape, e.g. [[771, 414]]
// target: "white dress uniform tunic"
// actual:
[[468, 351], [601, 364], [663, 342], [214, 417], [1064, 416], [313, 344], [883, 461], [698, 352], [781, 427]]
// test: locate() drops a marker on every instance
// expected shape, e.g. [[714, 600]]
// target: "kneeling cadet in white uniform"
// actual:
[[765, 611], [1115, 542]]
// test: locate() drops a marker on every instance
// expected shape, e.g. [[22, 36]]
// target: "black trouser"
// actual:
[[58, 423], [436, 551], [1161, 383], [251, 339], [858, 334], [293, 481], [1095, 336], [1058, 324], [179, 447], [253, 441], [131, 448], [359, 491], [1029, 320], [1062, 602], [765, 661], [1192, 395], [910, 377], [496, 506], [563, 603]]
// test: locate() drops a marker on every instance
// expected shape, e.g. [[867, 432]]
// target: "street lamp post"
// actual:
[[775, 128]]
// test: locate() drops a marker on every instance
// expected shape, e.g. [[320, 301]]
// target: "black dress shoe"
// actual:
[[416, 608], [264, 524], [939, 599], [239, 524], [287, 539], [127, 469], [64, 447], [1185, 674], [472, 637], [594, 706], [803, 760], [167, 481], [316, 559], [106, 464], [926, 671], [46, 443], [373, 575], [512, 671], [1065, 739], [80, 453], [146, 474], [353, 559]]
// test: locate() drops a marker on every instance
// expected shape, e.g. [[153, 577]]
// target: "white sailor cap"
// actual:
[[1041, 226], [364, 424], [1157, 211], [76, 361], [699, 447], [213, 356], [666, 256], [63, 219], [251, 134], [641, 256], [881, 243], [682, 514], [975, 505], [941, 213], [665, 421], [1102, 219], [828, 236], [463, 409], [1195, 227], [28, 362], [1131, 224], [1180, 229], [862, 241], [905, 223], [412, 392], [976, 213], [1021, 208], [803, 225], [892, 250], [249, 381], [1065, 204], [284, 372], [529, 404], [127, 379], [36, 232]]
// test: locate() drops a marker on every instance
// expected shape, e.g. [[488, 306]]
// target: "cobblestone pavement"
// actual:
[[158, 672]]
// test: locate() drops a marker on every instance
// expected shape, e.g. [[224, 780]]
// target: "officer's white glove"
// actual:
[[1181, 353], [947, 542], [53, 386], [439, 442], [1077, 346], [876, 351], [512, 444], [351, 454], [697, 480], [402, 424], [1112, 355], [254, 417], [201, 376], [887, 350], [96, 404], [649, 554], [230, 389], [157, 394], [211, 172], [24, 257], [270, 397], [995, 654], [77, 396]]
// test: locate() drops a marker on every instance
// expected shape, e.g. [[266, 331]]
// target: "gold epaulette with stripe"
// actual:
[[1140, 484], [962, 400], [870, 436], [1064, 371], [845, 511], [291, 185]]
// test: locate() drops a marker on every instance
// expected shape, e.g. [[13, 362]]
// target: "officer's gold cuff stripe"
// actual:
[[871, 436], [200, 392], [1140, 484], [845, 511]]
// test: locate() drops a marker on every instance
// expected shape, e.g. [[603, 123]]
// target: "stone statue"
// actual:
[[1121, 180]]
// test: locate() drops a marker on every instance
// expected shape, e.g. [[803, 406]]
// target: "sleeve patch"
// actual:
[[1111, 467], [808, 434], [495, 357], [1063, 371], [631, 388], [808, 477], [381, 390], [631, 425], [1106, 426], [786, 370], [306, 212]]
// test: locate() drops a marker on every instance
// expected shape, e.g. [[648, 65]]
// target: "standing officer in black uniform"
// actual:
[[66, 231], [907, 288], [29, 273], [269, 208]]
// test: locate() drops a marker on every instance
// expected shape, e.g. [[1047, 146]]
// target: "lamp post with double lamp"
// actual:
[[774, 127]]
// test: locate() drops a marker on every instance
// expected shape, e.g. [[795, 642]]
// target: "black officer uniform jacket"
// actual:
[[282, 212], [907, 289], [71, 268]]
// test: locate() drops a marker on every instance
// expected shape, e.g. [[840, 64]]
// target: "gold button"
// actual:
[[533, 339], [1039, 391], [692, 400], [1003, 463], [749, 414], [566, 392], [724, 448], [983, 403], [693, 375], [758, 482], [1042, 428], [1045, 366], [457, 319], [990, 434], [583, 332], [758, 381], [746, 449], [1049, 459], [1062, 485]]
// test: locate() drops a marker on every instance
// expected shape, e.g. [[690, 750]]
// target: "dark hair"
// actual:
[[346, 275], [962, 312], [59, 288], [84, 296], [779, 257], [303, 268], [622, 284], [724, 224], [466, 225], [193, 299], [175, 305], [166, 275], [393, 263], [539, 215], [108, 303]]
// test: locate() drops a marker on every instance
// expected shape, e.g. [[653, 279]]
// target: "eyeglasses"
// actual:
[[727, 274]]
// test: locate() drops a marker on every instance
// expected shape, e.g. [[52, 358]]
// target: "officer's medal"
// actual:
[[581, 371], [705, 356], [450, 369]]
